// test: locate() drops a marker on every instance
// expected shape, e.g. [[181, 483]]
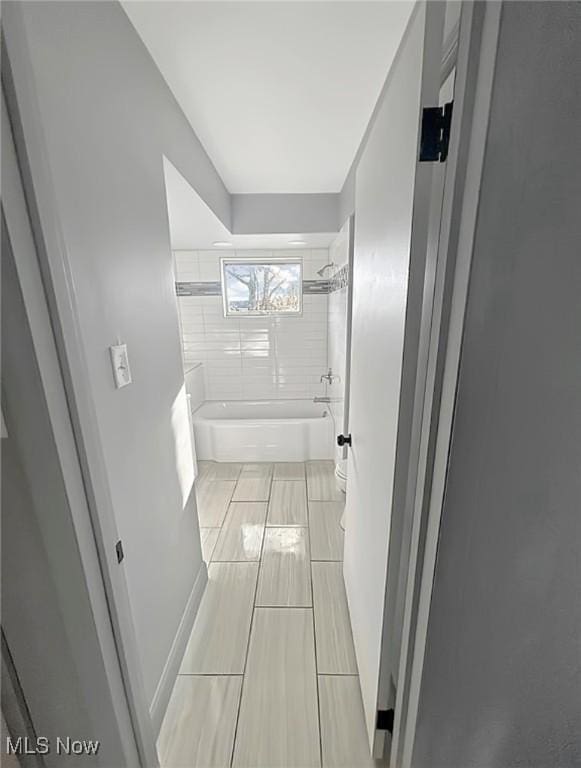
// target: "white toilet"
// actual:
[[341, 482]]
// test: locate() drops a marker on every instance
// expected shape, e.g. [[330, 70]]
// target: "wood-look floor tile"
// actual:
[[219, 638], [343, 733], [254, 483], [325, 530], [203, 468], [321, 483], [242, 532], [208, 539], [213, 497], [289, 470], [278, 723], [219, 470], [200, 722], [335, 652], [288, 503], [257, 469], [285, 570]]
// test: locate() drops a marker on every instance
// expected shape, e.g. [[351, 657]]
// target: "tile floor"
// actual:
[[269, 678]]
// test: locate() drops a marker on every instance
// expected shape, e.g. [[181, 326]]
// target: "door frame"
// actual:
[[344, 426], [50, 301], [15, 718], [434, 411]]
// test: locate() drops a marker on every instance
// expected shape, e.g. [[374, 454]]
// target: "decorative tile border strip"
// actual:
[[340, 279], [199, 289], [315, 286], [310, 287]]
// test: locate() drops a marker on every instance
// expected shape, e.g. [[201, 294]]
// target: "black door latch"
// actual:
[[385, 718], [344, 439]]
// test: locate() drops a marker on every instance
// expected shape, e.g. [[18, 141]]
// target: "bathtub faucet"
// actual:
[[329, 376], [321, 399]]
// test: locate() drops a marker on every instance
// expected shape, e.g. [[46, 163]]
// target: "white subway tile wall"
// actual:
[[251, 358]]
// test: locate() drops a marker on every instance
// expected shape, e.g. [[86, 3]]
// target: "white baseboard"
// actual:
[[174, 659]]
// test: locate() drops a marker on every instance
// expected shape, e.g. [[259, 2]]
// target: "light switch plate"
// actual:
[[120, 363]]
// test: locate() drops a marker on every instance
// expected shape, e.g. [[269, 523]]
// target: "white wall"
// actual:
[[502, 674], [246, 358], [108, 118], [285, 213], [337, 328]]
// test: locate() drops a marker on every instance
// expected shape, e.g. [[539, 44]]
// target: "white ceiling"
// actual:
[[193, 226], [279, 93]]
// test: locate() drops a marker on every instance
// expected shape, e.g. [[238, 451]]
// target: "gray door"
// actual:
[[391, 229]]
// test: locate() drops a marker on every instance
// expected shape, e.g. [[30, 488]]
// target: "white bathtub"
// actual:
[[263, 430]]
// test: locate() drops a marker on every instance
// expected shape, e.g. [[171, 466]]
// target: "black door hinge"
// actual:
[[119, 551], [435, 138], [385, 720]]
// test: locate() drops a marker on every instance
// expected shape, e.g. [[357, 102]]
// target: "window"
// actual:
[[262, 287]]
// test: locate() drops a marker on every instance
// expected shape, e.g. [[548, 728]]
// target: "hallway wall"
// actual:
[[502, 674], [107, 119]]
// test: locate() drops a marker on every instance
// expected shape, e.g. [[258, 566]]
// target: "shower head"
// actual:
[[327, 266]]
